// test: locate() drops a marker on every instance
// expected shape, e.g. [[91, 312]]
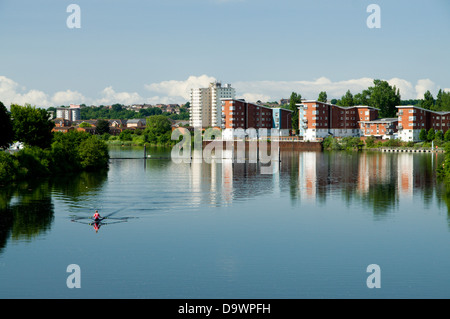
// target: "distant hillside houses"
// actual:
[[116, 126], [168, 108]]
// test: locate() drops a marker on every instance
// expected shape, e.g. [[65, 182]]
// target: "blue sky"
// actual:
[[154, 51]]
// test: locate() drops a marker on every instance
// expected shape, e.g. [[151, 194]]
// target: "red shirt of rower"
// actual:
[[96, 216]]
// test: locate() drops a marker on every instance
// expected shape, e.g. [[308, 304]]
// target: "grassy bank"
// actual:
[[355, 143], [69, 152]]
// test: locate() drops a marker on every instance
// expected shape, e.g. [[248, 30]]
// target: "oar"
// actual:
[[115, 212]]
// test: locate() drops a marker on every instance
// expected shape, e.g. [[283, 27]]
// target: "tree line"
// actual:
[[46, 153], [119, 111], [381, 95]]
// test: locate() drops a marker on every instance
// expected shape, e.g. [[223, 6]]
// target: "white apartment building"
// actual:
[[206, 104], [73, 113]]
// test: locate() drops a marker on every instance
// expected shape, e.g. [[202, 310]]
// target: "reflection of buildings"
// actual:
[[405, 175], [376, 179], [227, 180], [307, 175]]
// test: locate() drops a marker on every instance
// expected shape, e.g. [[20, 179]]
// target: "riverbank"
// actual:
[[71, 152]]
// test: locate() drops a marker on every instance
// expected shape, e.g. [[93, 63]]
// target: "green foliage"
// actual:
[[370, 142], [93, 153], [349, 143], [322, 97], [384, 97], [346, 100], [118, 111], [428, 101], [442, 101], [69, 152], [32, 125], [423, 135], [158, 124], [9, 167], [443, 172], [431, 135], [394, 143], [102, 127], [330, 143], [126, 135], [6, 128], [35, 161], [293, 101], [447, 136], [85, 124], [439, 135]]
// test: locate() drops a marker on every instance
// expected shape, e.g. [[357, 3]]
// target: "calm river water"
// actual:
[[224, 230]]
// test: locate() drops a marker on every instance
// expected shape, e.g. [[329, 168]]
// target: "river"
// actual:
[[225, 230]]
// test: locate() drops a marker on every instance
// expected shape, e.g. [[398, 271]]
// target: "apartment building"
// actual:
[[243, 119], [385, 129], [318, 120], [73, 113], [206, 106], [412, 119]]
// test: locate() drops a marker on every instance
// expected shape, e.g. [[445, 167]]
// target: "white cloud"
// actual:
[[276, 90], [111, 97], [68, 97], [10, 93], [425, 85], [180, 89]]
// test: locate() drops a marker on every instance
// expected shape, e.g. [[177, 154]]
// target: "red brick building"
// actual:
[[412, 119], [239, 114], [318, 120]]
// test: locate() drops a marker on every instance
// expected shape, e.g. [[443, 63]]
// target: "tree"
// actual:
[[158, 124], [362, 98], [93, 153], [32, 125], [346, 100], [442, 101], [384, 97], [126, 135], [431, 135], [447, 136], [85, 124], [423, 135], [428, 101], [102, 127], [293, 101], [439, 135], [322, 97], [6, 128]]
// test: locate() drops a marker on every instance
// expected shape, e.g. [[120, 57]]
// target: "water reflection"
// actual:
[[27, 209], [377, 181], [26, 212]]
